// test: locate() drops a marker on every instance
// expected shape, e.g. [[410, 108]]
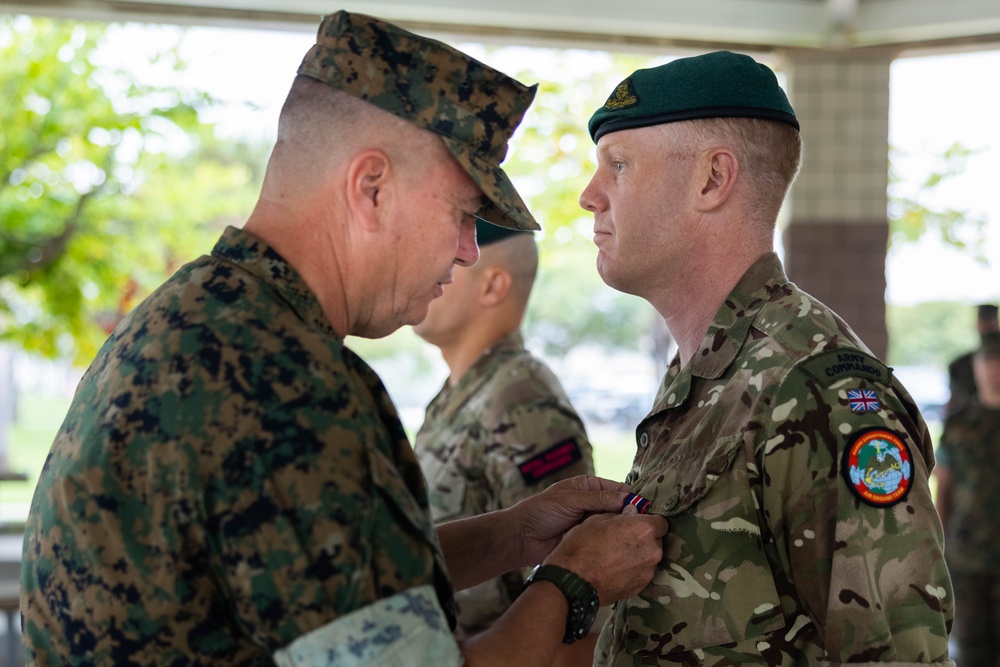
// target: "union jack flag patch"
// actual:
[[862, 400]]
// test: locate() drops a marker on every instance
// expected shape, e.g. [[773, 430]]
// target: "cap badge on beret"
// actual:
[[624, 96]]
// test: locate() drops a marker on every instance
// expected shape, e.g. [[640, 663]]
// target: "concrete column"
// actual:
[[835, 242]]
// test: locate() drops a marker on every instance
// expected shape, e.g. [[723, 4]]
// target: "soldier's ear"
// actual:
[[718, 170], [370, 189], [494, 286]]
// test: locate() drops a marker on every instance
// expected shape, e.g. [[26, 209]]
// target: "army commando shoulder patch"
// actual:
[[877, 467], [552, 460], [833, 365]]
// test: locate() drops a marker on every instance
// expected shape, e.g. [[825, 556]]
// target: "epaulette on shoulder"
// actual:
[[830, 366]]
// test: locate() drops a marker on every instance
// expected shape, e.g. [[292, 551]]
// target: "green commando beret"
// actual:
[[715, 85]]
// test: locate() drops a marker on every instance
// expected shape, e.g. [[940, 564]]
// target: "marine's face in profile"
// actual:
[[448, 314], [436, 232]]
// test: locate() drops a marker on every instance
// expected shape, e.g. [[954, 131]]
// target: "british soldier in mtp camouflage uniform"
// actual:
[[792, 465]]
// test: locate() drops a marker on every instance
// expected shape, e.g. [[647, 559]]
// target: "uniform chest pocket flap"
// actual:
[[446, 488], [393, 490], [714, 585]]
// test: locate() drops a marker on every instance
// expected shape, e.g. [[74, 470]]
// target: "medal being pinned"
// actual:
[[634, 499]]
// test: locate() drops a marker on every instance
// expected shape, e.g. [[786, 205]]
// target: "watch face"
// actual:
[[581, 618]]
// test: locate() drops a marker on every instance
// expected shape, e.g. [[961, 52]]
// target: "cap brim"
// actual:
[[503, 206]]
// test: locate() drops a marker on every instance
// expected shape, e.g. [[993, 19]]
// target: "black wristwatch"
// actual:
[[581, 597]]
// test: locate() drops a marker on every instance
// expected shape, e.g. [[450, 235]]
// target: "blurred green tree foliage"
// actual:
[[107, 184], [931, 333], [934, 332], [915, 211], [553, 162]]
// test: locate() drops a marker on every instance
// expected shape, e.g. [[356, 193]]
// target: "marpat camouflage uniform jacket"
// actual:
[[229, 485], [793, 471], [969, 448], [504, 432]]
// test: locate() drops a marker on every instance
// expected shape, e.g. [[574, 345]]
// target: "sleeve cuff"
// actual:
[[392, 632]]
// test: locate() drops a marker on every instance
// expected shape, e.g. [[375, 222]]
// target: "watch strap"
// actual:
[[581, 598]]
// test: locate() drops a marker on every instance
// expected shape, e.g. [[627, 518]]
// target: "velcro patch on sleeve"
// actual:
[[552, 460], [878, 467], [829, 367], [863, 400]]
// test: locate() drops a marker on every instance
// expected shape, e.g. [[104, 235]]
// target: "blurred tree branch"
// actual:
[[913, 215], [106, 184]]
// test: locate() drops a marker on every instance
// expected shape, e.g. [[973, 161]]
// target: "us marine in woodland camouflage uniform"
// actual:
[[502, 428], [792, 465], [231, 485], [968, 500]]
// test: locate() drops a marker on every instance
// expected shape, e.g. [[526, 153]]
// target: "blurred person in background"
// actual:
[[961, 379], [501, 428], [968, 500]]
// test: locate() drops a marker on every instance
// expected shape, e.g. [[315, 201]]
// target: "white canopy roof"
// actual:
[[611, 24]]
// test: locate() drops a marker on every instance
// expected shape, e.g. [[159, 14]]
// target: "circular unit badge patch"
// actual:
[[878, 467]]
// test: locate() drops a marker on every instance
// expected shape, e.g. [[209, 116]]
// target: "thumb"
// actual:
[[660, 524]]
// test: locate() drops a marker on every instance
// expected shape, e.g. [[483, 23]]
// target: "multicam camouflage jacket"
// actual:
[[969, 447], [229, 483], [505, 431], [793, 469]]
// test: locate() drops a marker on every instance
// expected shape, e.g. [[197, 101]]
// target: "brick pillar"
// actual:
[[835, 242]]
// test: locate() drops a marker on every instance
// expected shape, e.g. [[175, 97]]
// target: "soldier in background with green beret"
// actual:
[[792, 466], [232, 485], [501, 428], [968, 500]]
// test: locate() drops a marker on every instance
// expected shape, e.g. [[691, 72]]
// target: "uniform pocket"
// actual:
[[714, 585], [446, 489], [678, 482], [394, 491]]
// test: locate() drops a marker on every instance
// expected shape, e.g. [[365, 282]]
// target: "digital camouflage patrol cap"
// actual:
[[714, 85], [471, 106]]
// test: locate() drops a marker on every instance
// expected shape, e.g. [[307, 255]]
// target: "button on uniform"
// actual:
[[644, 439]]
